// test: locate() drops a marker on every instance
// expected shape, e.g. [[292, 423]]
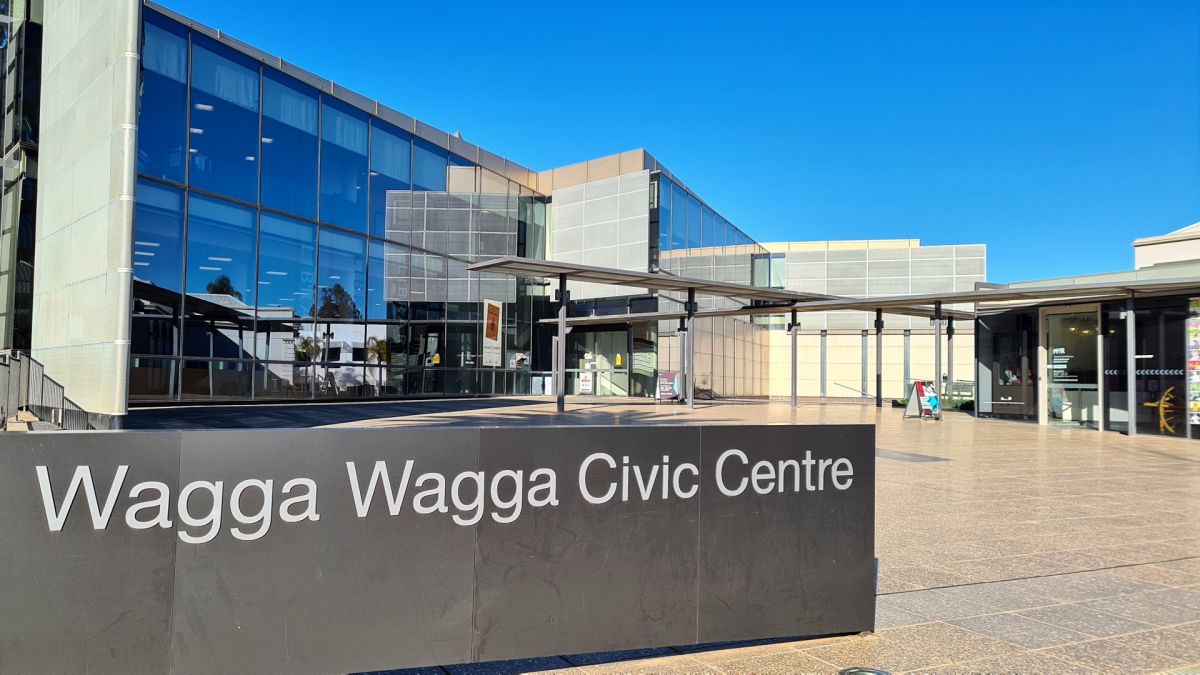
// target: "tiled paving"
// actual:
[[1030, 549]]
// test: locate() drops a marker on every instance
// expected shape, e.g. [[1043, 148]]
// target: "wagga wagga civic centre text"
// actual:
[[389, 488]]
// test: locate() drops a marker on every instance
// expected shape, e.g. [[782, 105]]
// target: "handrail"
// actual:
[[29, 388]]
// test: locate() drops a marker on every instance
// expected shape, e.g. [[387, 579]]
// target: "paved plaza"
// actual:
[[1002, 546]]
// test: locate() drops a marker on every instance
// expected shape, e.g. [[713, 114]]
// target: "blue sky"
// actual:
[[1054, 132]]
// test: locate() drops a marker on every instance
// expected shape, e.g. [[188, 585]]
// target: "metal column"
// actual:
[[560, 377], [684, 373], [824, 359], [907, 361], [1131, 366], [690, 355], [879, 358], [794, 329], [937, 348], [863, 360], [949, 357]]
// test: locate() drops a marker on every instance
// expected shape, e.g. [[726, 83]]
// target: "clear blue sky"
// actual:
[[1054, 132]]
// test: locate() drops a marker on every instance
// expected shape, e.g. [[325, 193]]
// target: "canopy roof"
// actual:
[[782, 301]]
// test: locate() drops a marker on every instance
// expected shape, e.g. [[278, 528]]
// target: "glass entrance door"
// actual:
[[1072, 383]]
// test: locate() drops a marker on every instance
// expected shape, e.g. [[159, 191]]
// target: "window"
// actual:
[[387, 281], [158, 244], [220, 251], [429, 166], [162, 120], [769, 270], [219, 312], [664, 214], [289, 145], [224, 123], [678, 219], [693, 233], [287, 267], [709, 237], [341, 276], [391, 152], [343, 165]]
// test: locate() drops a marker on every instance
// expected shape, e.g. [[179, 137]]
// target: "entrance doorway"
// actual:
[[1069, 381]]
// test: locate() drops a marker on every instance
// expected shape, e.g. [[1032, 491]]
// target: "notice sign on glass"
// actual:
[[493, 316], [1193, 360]]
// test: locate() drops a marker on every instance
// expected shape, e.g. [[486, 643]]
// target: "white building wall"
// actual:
[[82, 270]]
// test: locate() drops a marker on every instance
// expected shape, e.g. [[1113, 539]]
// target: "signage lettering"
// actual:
[[467, 497]]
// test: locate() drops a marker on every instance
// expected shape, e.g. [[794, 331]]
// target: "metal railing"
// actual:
[[24, 385]]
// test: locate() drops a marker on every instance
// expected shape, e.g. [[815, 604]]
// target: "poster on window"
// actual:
[[493, 317], [1193, 361]]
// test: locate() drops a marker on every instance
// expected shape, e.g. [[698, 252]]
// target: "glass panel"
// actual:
[[429, 166], [391, 151], [220, 278], [220, 251], [151, 379], [155, 335], [224, 125], [1072, 375], [386, 346], [158, 249], [289, 145], [709, 233], [693, 234], [343, 165], [287, 268], [387, 281], [1161, 354], [204, 379], [425, 349], [678, 219], [1006, 356], [1116, 386], [341, 277], [282, 380], [162, 118], [664, 214]]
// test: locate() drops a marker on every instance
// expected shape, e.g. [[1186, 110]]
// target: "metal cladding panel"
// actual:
[[340, 593], [83, 599], [619, 575], [786, 563], [438, 566]]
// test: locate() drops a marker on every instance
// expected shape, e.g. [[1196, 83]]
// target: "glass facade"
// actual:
[[695, 241], [1084, 354], [288, 245]]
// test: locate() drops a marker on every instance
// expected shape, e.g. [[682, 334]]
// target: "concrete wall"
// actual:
[[1167, 251], [82, 268]]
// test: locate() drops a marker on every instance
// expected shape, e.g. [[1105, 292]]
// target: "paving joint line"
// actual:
[[1041, 576]]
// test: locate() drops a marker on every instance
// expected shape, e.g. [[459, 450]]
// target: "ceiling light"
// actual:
[[334, 276], [151, 244], [218, 259], [203, 106], [139, 263], [267, 140], [210, 269], [249, 158], [197, 131], [145, 253], [276, 273]]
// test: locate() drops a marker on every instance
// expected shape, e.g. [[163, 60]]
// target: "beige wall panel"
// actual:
[[82, 271]]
